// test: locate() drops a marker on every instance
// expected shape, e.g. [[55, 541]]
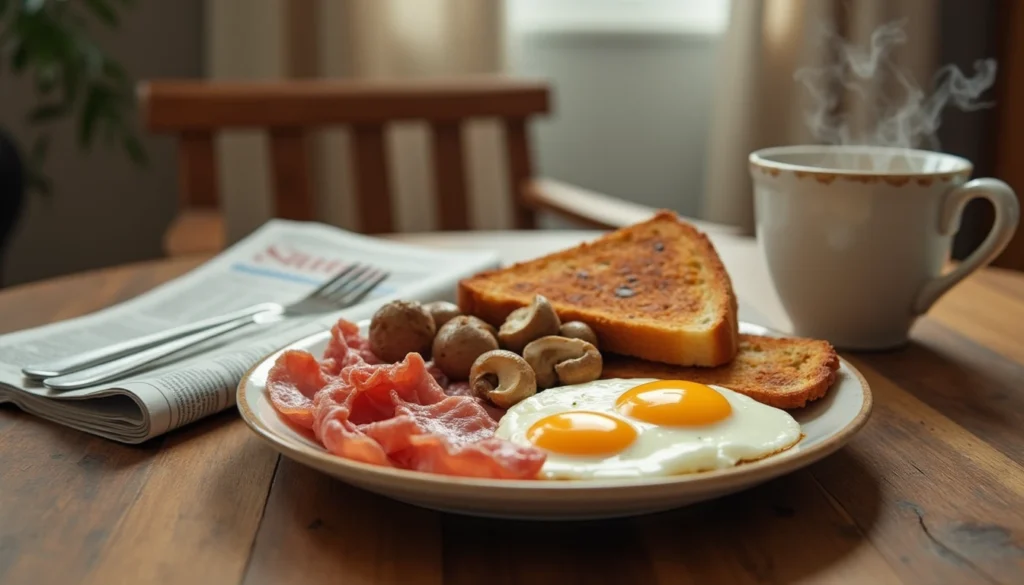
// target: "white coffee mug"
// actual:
[[857, 238]]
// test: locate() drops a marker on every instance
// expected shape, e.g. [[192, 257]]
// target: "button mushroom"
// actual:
[[528, 323], [578, 330], [399, 328], [502, 377], [442, 312], [563, 360], [459, 342]]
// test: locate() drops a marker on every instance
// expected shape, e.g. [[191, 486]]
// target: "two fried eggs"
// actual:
[[634, 428]]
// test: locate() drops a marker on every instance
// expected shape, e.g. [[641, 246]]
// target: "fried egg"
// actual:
[[637, 427]]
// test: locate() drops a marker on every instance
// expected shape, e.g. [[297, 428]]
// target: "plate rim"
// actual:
[[783, 463]]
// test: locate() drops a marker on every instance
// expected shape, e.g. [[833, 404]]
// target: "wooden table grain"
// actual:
[[931, 491]]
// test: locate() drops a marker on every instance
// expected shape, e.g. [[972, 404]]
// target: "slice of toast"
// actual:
[[779, 372], [656, 290]]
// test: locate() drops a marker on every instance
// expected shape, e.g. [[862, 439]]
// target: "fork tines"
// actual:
[[340, 278], [352, 284]]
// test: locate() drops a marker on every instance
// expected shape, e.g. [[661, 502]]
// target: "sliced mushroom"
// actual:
[[528, 323], [563, 360], [399, 328], [502, 377], [459, 342], [442, 312], [578, 330]]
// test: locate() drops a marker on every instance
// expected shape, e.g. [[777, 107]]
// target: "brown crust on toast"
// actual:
[[644, 289], [781, 372]]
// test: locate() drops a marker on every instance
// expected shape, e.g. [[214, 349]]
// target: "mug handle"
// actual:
[[1007, 210]]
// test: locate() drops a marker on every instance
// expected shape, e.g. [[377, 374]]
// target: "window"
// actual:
[[710, 16]]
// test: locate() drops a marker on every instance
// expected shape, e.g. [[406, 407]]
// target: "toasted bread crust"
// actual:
[[657, 263], [781, 372]]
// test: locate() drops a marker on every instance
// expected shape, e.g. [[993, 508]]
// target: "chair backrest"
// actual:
[[288, 110]]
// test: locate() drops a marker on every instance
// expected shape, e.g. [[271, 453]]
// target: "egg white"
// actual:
[[752, 431]]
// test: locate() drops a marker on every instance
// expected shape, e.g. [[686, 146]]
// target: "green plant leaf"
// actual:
[[91, 111], [103, 10], [47, 78], [35, 179], [32, 6], [92, 57], [133, 146], [19, 58], [115, 71], [40, 148], [51, 42], [110, 125], [47, 112], [38, 182], [72, 83]]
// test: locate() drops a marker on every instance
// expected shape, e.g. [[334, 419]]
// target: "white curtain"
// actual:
[[358, 39]]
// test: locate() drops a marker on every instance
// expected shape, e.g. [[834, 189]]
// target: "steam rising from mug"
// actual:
[[908, 119]]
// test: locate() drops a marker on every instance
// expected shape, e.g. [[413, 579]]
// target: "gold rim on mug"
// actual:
[[760, 161], [787, 461]]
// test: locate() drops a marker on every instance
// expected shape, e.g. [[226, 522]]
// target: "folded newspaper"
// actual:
[[280, 262]]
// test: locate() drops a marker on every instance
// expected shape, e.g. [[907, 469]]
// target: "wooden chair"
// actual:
[[194, 111]]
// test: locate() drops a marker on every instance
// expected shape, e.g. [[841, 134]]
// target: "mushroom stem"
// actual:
[[502, 377], [563, 360], [585, 368], [578, 330], [525, 324]]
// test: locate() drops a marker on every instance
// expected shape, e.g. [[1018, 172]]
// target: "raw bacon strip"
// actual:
[[458, 389], [394, 414], [372, 399], [438, 375], [362, 392], [342, 438], [463, 389], [330, 397], [495, 412], [451, 437], [368, 393], [454, 419], [492, 458], [292, 382], [346, 348], [391, 434], [399, 414], [456, 437]]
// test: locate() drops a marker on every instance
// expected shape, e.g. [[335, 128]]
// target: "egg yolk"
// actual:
[[581, 433], [674, 403]]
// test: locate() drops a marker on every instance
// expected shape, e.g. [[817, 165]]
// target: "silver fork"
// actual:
[[111, 362]]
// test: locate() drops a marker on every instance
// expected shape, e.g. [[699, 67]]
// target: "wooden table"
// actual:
[[931, 491]]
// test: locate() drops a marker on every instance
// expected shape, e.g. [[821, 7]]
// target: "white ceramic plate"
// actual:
[[827, 425]]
